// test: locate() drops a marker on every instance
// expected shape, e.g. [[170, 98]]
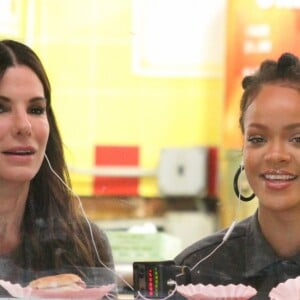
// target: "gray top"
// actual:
[[7, 267], [246, 257], [18, 266]]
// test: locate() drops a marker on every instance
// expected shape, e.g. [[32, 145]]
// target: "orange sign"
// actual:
[[256, 30]]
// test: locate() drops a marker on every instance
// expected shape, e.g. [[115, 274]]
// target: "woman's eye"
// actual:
[[3, 108], [37, 110], [255, 139], [296, 139]]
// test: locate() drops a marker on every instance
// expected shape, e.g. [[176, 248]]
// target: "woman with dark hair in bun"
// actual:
[[264, 249]]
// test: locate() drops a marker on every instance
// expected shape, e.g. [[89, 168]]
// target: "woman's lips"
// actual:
[[278, 179], [19, 151], [19, 155]]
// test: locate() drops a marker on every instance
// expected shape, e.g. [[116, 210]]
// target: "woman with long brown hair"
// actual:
[[42, 230]]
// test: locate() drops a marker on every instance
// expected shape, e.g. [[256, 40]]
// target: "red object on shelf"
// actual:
[[116, 156], [212, 172]]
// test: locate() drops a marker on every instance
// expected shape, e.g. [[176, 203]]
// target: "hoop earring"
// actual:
[[236, 186]]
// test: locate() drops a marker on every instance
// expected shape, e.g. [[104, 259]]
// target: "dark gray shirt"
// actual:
[[246, 257]]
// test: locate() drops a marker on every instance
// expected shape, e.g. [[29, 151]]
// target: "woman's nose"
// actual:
[[22, 125], [278, 154]]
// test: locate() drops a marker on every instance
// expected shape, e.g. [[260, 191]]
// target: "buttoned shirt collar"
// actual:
[[259, 253]]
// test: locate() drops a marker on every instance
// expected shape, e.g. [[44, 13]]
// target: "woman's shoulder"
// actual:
[[238, 231], [99, 242], [95, 232], [92, 228]]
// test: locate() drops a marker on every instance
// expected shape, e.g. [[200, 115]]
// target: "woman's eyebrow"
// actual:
[[293, 126], [34, 99], [38, 99], [3, 98]]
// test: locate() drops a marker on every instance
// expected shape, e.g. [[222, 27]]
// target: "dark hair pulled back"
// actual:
[[285, 71]]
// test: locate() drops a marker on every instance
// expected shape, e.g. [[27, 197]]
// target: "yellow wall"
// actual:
[[87, 50]]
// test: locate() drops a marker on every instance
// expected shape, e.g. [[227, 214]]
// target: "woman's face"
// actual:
[[24, 127], [272, 147]]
